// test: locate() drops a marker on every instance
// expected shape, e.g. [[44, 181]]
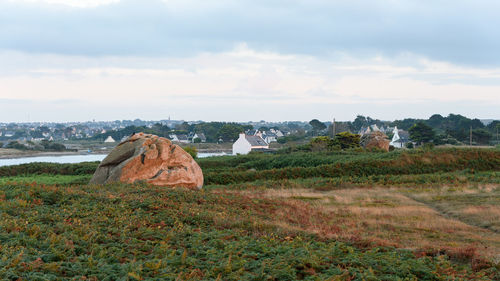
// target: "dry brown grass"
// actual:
[[381, 216]]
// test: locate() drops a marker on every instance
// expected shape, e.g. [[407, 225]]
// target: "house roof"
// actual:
[[404, 135], [201, 136], [255, 140], [251, 132]]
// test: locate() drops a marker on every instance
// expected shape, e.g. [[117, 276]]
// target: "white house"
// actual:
[[400, 138], [110, 139], [173, 137], [245, 143], [279, 133], [200, 136], [179, 138], [269, 137]]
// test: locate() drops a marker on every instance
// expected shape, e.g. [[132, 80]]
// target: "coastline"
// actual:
[[6, 153]]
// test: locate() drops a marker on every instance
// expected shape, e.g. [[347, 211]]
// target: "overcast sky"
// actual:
[[78, 60]]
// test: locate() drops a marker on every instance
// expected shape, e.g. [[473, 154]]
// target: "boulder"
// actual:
[[375, 139], [152, 159]]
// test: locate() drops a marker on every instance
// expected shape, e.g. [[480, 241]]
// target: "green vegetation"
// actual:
[[317, 126], [344, 140], [213, 131], [335, 215], [44, 145], [422, 133], [137, 231], [192, 151], [84, 168], [46, 179], [352, 164], [454, 128]]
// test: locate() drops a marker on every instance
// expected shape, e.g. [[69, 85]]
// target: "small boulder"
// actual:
[[152, 159], [375, 139]]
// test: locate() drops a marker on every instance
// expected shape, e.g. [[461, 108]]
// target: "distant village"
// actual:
[[248, 136]]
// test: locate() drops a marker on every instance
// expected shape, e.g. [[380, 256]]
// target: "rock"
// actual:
[[375, 140], [149, 158]]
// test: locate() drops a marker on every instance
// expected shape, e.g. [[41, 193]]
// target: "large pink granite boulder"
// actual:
[[152, 159]]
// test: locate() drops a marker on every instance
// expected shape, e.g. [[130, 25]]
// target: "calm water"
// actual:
[[73, 158]]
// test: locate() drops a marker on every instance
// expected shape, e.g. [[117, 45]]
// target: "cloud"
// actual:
[[243, 84], [458, 32]]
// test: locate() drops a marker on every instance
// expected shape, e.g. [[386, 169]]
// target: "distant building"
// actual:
[[179, 138], [200, 136], [245, 143], [110, 139], [400, 138], [252, 132], [369, 129], [269, 137]]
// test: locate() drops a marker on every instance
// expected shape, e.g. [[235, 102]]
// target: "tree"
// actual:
[[183, 127], [421, 133], [435, 120], [347, 140], [16, 145], [481, 136], [230, 131], [317, 126], [359, 122]]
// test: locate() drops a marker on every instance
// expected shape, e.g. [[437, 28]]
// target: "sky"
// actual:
[[248, 60]]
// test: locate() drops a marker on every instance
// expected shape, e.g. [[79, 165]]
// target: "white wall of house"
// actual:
[[396, 140], [241, 145], [270, 139]]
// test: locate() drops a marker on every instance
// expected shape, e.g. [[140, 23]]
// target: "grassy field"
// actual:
[[421, 215]]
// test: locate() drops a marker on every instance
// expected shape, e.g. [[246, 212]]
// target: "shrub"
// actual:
[[192, 151], [16, 145], [84, 168], [321, 143], [347, 140], [428, 146], [320, 165]]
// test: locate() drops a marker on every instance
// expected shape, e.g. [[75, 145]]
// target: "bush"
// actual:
[[428, 146], [321, 143], [84, 168], [294, 167], [347, 140], [16, 145], [192, 151], [53, 146]]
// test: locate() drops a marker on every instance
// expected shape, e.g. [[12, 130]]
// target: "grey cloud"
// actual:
[[462, 32]]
